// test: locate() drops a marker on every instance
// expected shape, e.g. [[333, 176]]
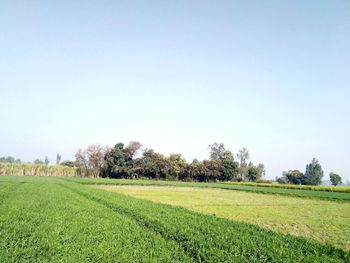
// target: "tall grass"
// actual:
[[38, 170]]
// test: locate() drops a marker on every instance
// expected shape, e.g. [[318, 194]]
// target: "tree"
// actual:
[[243, 156], [211, 171], [47, 160], [335, 179], [9, 159], [119, 162], [253, 173], [313, 173], [38, 161], [68, 163], [294, 177], [58, 159], [81, 160], [133, 148], [177, 164], [281, 180], [217, 151], [262, 170], [95, 155], [229, 169], [193, 171]]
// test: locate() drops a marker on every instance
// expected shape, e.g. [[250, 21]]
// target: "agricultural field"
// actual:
[[321, 193], [50, 219], [319, 220]]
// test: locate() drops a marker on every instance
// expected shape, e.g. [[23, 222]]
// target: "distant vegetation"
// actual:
[[133, 162], [129, 162], [38, 170], [9, 159]]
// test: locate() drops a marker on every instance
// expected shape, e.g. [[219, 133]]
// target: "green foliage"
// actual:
[[217, 151], [68, 163], [313, 173], [229, 170], [294, 177], [335, 179], [254, 173], [119, 162], [51, 220], [38, 161], [9, 159]]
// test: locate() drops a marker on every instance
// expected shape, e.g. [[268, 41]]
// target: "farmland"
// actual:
[[304, 193], [53, 220], [319, 220]]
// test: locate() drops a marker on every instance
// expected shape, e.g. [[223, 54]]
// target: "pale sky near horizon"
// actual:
[[272, 76]]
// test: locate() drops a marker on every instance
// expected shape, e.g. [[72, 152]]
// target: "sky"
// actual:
[[271, 76]]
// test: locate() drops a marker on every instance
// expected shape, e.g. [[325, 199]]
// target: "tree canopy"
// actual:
[[132, 161]]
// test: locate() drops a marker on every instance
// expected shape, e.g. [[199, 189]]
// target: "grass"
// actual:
[[46, 219], [319, 220], [326, 195]]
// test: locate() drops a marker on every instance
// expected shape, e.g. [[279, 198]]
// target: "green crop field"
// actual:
[[319, 194], [319, 220], [47, 219]]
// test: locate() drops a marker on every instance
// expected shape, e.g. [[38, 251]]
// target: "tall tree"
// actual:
[[217, 150], [335, 179], [177, 165], [229, 169], [119, 162], [262, 170], [313, 173], [81, 160], [243, 157], [253, 173], [133, 148], [58, 159], [95, 156]]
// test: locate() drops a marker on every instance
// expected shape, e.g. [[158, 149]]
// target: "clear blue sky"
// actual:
[[273, 76]]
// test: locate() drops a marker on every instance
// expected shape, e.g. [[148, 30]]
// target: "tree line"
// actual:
[[313, 175], [131, 162]]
